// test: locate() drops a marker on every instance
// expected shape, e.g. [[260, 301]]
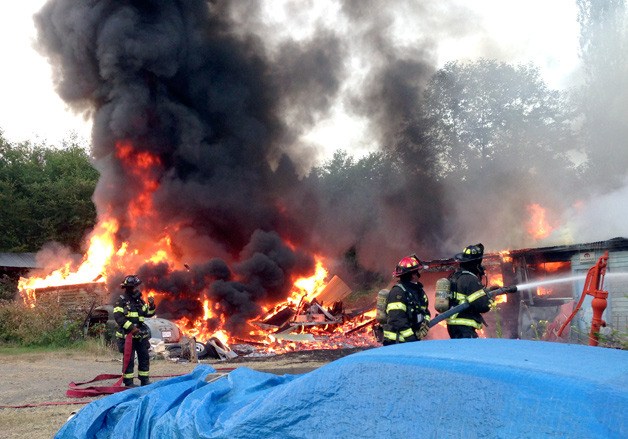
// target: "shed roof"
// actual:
[[558, 252], [614, 244], [19, 260]]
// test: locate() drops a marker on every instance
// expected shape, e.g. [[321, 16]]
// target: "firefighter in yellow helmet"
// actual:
[[466, 286], [406, 306], [129, 313]]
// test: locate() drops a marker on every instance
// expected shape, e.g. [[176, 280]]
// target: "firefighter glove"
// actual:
[[151, 300], [422, 331], [135, 330]]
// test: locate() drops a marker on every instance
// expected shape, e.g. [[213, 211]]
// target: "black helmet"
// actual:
[[131, 281], [471, 253]]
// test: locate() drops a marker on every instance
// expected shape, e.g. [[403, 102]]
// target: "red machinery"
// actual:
[[593, 286]]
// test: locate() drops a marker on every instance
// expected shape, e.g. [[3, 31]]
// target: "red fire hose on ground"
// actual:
[[76, 391], [593, 285], [80, 392]]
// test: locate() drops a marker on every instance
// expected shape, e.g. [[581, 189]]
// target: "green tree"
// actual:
[[45, 195], [604, 98], [502, 141], [489, 115]]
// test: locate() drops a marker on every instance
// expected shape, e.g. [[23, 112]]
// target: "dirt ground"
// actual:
[[39, 381]]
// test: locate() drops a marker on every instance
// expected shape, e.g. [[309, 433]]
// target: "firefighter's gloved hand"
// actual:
[[144, 331], [493, 288], [422, 331], [135, 330], [151, 300]]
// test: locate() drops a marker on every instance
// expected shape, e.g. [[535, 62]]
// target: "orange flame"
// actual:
[[498, 280], [310, 287], [92, 268], [102, 248], [551, 267], [141, 166], [538, 226], [540, 291]]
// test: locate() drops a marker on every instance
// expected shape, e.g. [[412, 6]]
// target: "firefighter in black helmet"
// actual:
[[466, 286], [129, 313], [406, 306]]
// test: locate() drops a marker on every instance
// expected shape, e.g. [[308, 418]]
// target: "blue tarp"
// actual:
[[482, 388]]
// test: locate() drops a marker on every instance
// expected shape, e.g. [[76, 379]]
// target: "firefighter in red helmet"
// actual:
[[406, 306], [129, 313], [466, 286]]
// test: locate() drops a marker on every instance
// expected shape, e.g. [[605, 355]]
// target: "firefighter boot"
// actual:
[[128, 382], [144, 381]]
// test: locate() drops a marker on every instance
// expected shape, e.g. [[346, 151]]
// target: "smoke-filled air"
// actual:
[[209, 185]]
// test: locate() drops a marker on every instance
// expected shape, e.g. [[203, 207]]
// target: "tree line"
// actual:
[[45, 194]]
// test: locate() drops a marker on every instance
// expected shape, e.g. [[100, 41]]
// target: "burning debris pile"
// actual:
[[320, 320]]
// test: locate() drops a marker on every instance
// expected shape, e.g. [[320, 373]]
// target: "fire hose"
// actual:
[[75, 391], [464, 305]]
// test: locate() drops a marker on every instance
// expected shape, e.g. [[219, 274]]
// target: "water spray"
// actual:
[[505, 290], [544, 282], [593, 284]]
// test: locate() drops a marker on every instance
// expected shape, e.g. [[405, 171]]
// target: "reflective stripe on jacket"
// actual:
[[406, 309], [467, 288], [129, 313]]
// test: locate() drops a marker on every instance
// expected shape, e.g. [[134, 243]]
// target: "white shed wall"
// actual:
[[615, 282]]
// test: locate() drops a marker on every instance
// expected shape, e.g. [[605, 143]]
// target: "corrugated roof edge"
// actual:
[[19, 260]]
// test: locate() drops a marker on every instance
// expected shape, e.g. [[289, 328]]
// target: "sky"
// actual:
[[30, 108]]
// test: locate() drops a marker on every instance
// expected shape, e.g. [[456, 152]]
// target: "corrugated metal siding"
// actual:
[[18, 260], [616, 313], [617, 287]]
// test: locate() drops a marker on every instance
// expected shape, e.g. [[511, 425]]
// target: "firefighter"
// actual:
[[129, 313], [466, 286], [406, 306]]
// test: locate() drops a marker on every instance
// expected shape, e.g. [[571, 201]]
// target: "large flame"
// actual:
[[538, 225], [149, 240], [91, 269]]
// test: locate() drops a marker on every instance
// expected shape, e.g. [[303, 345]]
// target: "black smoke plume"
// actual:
[[174, 79], [220, 99]]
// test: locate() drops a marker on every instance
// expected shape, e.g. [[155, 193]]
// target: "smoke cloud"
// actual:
[[201, 113]]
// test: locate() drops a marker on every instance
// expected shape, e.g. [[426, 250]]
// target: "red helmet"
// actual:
[[409, 264]]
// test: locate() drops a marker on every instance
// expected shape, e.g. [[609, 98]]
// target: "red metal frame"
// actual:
[[593, 285]]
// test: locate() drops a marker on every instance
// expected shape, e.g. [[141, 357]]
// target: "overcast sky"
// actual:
[[538, 31]]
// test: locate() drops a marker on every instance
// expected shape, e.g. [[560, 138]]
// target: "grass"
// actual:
[[90, 346], [33, 423]]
